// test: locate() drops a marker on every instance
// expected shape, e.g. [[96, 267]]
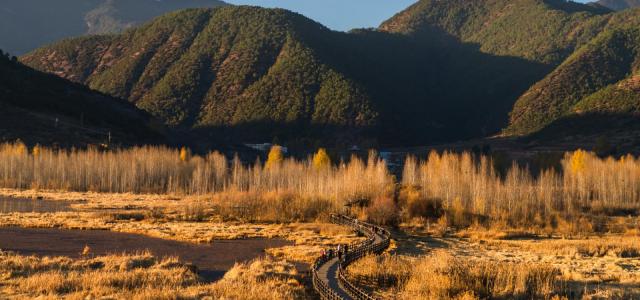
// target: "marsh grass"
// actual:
[[285, 189], [442, 276], [455, 190], [142, 276], [614, 246], [465, 189], [98, 276]]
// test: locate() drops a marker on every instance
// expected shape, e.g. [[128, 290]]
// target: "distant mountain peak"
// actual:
[[41, 22]]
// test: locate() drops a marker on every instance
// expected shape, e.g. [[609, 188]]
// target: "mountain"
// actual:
[[250, 73], [544, 31], [41, 108], [28, 24], [619, 4], [591, 53], [599, 78], [439, 71]]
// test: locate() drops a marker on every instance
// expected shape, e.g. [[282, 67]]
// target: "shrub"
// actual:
[[184, 154], [321, 160], [275, 157], [383, 210]]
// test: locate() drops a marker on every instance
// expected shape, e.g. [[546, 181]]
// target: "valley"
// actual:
[[166, 149]]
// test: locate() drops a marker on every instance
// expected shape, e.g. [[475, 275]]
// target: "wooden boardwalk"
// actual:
[[327, 272]]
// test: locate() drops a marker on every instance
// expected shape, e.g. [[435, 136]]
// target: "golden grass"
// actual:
[[260, 279], [611, 246], [449, 277], [142, 276], [461, 189], [465, 189], [165, 217], [291, 189], [442, 276], [164, 170], [382, 270], [484, 267], [95, 277]]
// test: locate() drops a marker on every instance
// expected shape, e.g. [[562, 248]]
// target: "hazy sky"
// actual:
[[352, 13]]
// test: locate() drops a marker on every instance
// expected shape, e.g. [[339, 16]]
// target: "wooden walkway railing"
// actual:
[[378, 239]]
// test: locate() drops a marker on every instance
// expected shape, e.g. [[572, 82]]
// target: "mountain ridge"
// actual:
[[43, 108], [253, 74], [41, 22]]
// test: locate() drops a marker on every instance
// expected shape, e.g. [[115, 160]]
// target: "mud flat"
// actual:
[[211, 260], [25, 205]]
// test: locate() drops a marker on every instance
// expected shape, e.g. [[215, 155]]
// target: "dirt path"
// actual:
[[212, 260]]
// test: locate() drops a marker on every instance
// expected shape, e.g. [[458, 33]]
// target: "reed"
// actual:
[[162, 170], [465, 189]]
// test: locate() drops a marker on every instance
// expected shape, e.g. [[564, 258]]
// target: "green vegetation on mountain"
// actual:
[[28, 24], [42, 108], [439, 71], [616, 98], [217, 68], [591, 80], [260, 73], [545, 31]]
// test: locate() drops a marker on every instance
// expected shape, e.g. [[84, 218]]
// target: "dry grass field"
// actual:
[[143, 276], [462, 229], [426, 266]]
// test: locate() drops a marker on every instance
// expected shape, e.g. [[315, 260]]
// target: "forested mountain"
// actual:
[[597, 78], [544, 31], [28, 24], [438, 71], [237, 69], [592, 52], [601, 77], [43, 108], [619, 4]]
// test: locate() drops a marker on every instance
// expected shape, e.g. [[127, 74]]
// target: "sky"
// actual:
[[352, 13]]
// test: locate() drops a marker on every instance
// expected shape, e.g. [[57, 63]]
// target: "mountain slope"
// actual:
[[253, 73], [216, 68], [598, 78], [41, 108], [545, 31], [28, 24], [591, 53], [619, 4]]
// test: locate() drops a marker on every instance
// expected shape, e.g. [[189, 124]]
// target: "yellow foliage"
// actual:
[[20, 148], [184, 154], [321, 159], [86, 250], [275, 157], [577, 161], [36, 150]]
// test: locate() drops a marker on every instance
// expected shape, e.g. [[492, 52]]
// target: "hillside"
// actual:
[[230, 67], [599, 78], [248, 73], [591, 89], [41, 108], [545, 31], [619, 4], [41, 22]]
